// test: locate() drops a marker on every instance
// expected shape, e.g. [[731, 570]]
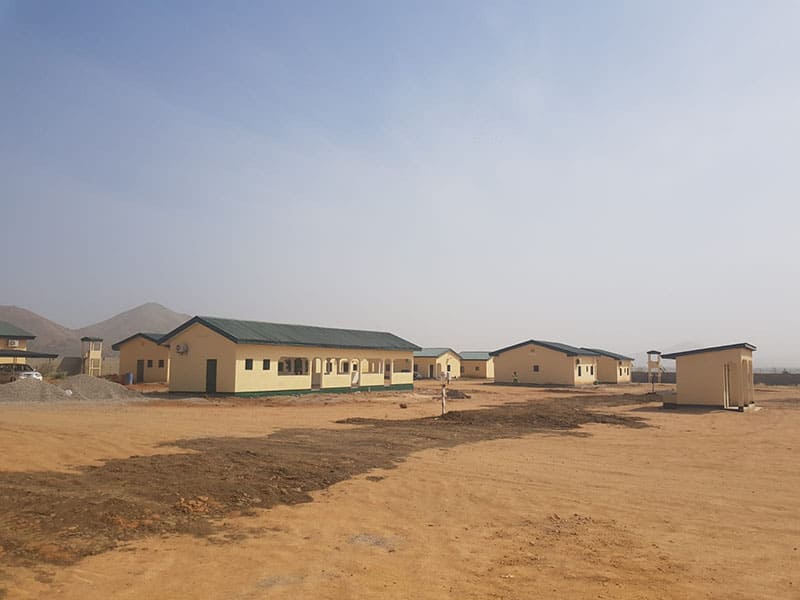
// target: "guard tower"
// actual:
[[92, 356], [654, 368]]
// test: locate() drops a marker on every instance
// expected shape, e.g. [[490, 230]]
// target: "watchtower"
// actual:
[[654, 368], [92, 356]]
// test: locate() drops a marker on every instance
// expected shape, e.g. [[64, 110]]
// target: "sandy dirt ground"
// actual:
[[518, 493]]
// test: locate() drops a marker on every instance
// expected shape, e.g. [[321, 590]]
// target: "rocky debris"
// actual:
[[87, 387], [31, 390]]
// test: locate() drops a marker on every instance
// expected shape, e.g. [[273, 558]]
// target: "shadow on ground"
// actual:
[[58, 518]]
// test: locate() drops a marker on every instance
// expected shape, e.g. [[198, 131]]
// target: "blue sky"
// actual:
[[616, 174]]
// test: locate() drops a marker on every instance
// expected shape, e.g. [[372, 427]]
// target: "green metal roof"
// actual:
[[153, 337], [433, 352], [475, 355], [557, 346], [7, 330], [608, 354], [25, 354], [258, 332]]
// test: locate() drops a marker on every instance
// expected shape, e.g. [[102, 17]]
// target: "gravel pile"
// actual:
[[31, 390], [86, 387]]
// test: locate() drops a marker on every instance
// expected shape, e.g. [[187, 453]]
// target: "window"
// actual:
[[535, 368], [462, 369], [620, 371], [448, 368], [579, 370], [248, 364], [344, 366], [265, 365], [149, 364], [477, 368], [160, 363], [328, 366], [96, 346], [293, 366], [591, 370]]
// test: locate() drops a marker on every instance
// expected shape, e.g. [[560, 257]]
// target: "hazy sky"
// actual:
[[613, 174]]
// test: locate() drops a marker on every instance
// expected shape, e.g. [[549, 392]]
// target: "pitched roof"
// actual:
[[25, 354], [475, 355], [557, 346], [433, 352], [89, 338], [7, 330], [608, 353], [258, 332], [709, 349], [153, 337]]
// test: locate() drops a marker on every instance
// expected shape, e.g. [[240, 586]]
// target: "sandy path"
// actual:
[[700, 505]]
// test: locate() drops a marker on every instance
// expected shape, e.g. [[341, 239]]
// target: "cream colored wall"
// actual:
[[188, 371], [700, 377], [608, 370], [555, 368], [439, 365], [140, 348], [481, 369], [259, 380], [22, 345]]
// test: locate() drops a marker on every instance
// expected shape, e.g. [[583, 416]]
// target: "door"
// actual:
[[387, 373], [354, 377], [316, 373], [430, 371], [139, 371], [211, 376], [726, 385]]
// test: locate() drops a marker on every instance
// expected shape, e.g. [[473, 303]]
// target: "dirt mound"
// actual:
[[31, 390], [94, 388]]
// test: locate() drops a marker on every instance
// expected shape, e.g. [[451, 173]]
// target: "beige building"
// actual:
[[612, 367], [477, 364], [538, 362], [720, 376], [209, 355], [434, 363], [14, 345], [141, 355]]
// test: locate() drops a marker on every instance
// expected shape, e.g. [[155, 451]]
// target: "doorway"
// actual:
[[727, 400], [387, 373], [140, 371], [430, 371], [211, 376], [354, 377], [316, 374]]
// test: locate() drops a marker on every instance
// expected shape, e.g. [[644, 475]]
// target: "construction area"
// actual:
[[517, 492]]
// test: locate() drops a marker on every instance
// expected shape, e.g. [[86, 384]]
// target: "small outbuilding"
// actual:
[[479, 365], [539, 362], [142, 355], [719, 376], [612, 367], [435, 363]]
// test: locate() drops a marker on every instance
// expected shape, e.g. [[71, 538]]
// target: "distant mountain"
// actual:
[[150, 317], [52, 337]]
